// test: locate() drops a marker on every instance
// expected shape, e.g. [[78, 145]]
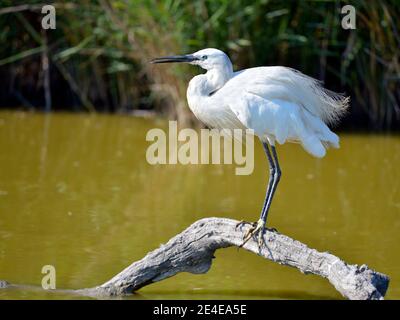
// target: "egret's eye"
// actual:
[[204, 57]]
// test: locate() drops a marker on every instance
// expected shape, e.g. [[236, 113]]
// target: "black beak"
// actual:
[[184, 58]]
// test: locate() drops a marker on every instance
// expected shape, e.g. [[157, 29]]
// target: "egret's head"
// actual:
[[206, 58], [211, 58]]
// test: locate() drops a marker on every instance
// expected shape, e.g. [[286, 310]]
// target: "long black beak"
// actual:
[[184, 58]]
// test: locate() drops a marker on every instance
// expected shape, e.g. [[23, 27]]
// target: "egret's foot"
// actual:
[[256, 228]]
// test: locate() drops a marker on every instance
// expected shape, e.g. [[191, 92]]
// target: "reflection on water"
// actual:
[[76, 192]]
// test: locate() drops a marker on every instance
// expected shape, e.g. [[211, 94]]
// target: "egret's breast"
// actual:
[[214, 112]]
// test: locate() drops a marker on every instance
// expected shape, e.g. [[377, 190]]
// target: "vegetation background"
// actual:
[[97, 58]]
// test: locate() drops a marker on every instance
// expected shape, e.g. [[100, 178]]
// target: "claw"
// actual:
[[248, 235], [274, 230], [243, 222], [253, 230], [260, 239]]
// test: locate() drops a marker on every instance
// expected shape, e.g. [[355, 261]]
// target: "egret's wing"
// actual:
[[286, 84], [263, 116], [228, 124], [283, 121]]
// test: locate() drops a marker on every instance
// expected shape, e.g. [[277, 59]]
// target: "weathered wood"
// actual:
[[193, 250]]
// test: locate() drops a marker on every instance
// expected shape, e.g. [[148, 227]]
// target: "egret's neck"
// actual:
[[218, 76], [214, 79]]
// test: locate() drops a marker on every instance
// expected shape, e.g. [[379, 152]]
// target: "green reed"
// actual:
[[102, 48]]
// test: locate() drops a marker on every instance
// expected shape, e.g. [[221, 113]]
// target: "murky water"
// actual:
[[76, 192]]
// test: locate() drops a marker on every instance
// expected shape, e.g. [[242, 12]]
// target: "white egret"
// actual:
[[280, 104]]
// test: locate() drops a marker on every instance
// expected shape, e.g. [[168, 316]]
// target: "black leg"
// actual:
[[271, 176], [276, 175]]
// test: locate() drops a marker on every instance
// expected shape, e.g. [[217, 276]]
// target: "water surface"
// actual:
[[76, 192]]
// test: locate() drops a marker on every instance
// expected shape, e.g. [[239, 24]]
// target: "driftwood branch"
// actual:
[[193, 250]]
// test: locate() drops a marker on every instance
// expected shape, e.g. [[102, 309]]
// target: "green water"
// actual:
[[77, 192]]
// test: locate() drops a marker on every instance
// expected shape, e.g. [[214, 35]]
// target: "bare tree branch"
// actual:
[[193, 249]]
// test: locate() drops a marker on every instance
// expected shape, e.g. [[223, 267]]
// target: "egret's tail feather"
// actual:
[[317, 144], [314, 146], [329, 144]]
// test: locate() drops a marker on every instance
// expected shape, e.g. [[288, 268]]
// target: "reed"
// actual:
[[100, 50]]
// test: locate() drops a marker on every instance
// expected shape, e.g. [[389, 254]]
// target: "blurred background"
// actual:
[[98, 55], [76, 191]]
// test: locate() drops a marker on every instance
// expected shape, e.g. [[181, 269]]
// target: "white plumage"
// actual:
[[280, 104]]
